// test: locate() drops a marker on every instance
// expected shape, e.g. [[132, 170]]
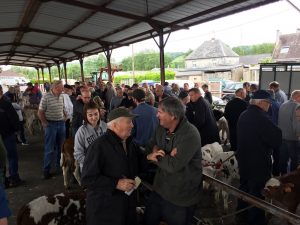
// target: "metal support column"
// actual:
[[58, 68], [42, 68], [38, 75], [161, 45], [81, 67], [50, 77], [107, 53], [65, 71]]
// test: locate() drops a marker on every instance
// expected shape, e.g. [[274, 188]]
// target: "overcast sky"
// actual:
[[246, 28], [250, 27]]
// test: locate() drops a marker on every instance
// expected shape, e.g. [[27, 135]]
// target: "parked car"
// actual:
[[228, 92]]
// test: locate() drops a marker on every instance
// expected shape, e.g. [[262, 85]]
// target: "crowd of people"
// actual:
[[155, 133]]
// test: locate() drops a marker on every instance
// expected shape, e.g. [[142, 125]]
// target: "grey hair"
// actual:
[[295, 94], [173, 106], [56, 83], [255, 101], [110, 124]]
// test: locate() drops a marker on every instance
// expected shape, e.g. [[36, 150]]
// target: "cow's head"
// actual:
[[274, 189]]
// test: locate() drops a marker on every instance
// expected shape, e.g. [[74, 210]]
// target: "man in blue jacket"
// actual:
[[256, 137]]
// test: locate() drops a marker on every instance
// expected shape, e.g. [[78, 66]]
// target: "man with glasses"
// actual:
[[77, 118], [257, 136], [176, 150]]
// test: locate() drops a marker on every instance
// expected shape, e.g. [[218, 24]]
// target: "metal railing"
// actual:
[[257, 202]]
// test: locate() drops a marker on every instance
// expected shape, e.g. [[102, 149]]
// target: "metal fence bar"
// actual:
[[259, 203]]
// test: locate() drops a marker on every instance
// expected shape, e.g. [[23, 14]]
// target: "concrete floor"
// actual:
[[30, 169]]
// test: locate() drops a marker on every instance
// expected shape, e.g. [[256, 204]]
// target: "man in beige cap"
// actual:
[[108, 173]]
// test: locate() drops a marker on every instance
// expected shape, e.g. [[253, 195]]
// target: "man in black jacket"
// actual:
[[9, 121], [256, 137], [233, 110], [77, 118], [199, 113], [108, 173]]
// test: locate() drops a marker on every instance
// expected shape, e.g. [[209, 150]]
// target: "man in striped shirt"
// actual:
[[51, 114]]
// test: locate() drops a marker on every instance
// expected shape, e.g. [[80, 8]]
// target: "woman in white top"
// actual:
[[92, 128]]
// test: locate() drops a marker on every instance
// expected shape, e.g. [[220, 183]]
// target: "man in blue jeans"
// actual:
[[4, 210], [290, 126], [9, 121], [51, 114]]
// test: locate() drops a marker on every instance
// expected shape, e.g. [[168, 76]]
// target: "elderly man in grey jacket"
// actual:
[[176, 150], [290, 126]]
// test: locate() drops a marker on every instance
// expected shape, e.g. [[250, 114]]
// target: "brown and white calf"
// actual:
[[68, 163], [284, 191], [59, 209]]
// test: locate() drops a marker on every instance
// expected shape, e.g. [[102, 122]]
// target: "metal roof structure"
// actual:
[[43, 33]]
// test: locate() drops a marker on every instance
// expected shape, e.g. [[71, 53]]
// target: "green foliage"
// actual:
[[147, 76], [254, 49], [266, 60], [149, 59]]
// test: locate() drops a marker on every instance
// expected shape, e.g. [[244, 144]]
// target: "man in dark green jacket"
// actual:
[[176, 150]]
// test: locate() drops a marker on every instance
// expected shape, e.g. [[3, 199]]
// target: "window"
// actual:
[[194, 65], [284, 50]]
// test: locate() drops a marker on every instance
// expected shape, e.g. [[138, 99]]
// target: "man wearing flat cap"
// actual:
[[108, 173], [256, 137]]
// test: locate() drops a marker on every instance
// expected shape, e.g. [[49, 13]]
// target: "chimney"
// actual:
[[278, 33]]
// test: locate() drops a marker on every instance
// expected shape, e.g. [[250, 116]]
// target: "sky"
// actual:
[[250, 27]]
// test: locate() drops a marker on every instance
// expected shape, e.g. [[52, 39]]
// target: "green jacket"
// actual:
[[179, 179]]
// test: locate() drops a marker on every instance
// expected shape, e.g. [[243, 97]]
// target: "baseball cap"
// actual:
[[262, 94], [139, 94], [182, 95], [119, 112]]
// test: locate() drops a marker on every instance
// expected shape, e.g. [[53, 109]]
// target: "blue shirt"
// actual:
[[144, 124], [4, 210]]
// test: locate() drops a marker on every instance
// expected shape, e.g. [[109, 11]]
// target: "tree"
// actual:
[[263, 48]]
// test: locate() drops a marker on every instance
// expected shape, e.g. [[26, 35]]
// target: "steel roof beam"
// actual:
[[41, 46], [31, 9], [112, 12]]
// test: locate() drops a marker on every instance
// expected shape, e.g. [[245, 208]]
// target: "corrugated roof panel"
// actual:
[[19, 58], [89, 47], [136, 29], [136, 7], [68, 43], [99, 24], [68, 55], [5, 48], [51, 52], [7, 37], [3, 57], [51, 14], [10, 12], [37, 38], [95, 2], [28, 49]]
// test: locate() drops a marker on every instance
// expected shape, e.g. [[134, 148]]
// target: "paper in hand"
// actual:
[[137, 184]]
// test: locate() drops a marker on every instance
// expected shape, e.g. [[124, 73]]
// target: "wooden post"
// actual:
[[107, 53], [58, 68], [81, 67], [65, 70], [42, 68], [38, 75], [49, 69]]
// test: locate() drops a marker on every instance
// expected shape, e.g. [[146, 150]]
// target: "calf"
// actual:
[[220, 165], [226, 167], [68, 163], [31, 117], [59, 209], [224, 129], [284, 191]]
